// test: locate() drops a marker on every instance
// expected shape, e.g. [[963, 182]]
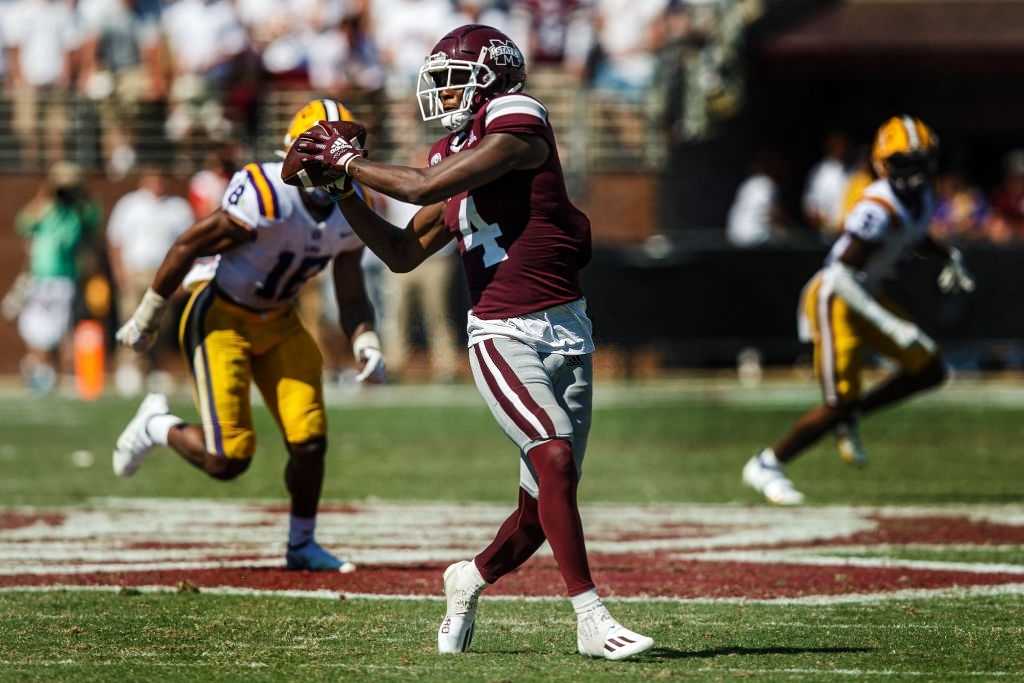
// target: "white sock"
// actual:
[[584, 602], [473, 574], [300, 530], [768, 459], [160, 425]]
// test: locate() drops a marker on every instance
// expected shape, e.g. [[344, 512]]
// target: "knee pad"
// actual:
[[226, 469], [313, 448], [553, 457]]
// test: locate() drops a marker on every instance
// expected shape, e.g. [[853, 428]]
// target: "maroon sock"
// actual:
[[559, 516], [517, 540]]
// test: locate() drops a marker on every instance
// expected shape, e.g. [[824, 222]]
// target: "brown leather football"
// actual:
[[302, 168]]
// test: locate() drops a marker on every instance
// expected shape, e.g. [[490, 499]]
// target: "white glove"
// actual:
[[955, 276], [906, 334], [366, 349], [141, 330]]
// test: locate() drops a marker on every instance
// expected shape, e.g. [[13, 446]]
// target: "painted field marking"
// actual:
[[126, 536], [910, 594]]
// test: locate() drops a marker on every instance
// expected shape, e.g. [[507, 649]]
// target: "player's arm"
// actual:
[[355, 313], [214, 234], [496, 155], [401, 250], [864, 229]]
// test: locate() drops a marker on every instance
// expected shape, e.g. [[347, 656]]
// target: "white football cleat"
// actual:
[[763, 473], [135, 443], [599, 635], [462, 588], [851, 450]]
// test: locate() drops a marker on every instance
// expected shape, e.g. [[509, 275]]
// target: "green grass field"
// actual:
[[191, 637], [647, 446]]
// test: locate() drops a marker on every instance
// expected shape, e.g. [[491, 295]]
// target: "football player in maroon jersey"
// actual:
[[494, 183]]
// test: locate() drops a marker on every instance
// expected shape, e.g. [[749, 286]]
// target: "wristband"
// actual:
[[365, 340], [150, 309]]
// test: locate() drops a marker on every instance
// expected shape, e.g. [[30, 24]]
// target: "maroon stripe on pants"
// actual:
[[506, 405], [520, 389]]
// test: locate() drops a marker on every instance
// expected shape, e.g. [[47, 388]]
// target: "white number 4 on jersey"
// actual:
[[476, 232]]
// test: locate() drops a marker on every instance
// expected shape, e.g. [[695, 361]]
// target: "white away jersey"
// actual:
[[290, 246], [880, 218]]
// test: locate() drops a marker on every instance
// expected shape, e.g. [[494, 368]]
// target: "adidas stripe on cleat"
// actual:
[[599, 635]]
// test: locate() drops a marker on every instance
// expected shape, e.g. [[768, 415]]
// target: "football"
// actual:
[[311, 170]]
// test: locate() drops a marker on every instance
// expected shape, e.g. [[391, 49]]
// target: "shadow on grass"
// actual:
[[670, 653]]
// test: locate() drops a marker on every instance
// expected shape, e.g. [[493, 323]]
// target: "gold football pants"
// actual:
[[843, 338], [227, 347]]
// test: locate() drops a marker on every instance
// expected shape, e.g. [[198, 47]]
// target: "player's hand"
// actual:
[[373, 371], [955, 277], [334, 144], [366, 349], [142, 329], [906, 334], [132, 335]]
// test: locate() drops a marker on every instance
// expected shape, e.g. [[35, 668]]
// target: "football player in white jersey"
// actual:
[[845, 312], [241, 325]]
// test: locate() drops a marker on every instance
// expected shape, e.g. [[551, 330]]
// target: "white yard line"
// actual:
[[1007, 589]]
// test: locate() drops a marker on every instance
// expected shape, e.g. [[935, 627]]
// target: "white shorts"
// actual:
[[46, 316]]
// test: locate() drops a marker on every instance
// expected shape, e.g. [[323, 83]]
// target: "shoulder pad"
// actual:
[[515, 109], [251, 197], [870, 219]]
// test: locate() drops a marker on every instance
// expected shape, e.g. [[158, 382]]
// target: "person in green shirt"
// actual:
[[58, 223]]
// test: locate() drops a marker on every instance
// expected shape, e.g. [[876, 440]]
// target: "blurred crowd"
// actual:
[[81, 269], [157, 71], [964, 212]]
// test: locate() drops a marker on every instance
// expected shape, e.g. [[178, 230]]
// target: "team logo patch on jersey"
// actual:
[[504, 53], [436, 159]]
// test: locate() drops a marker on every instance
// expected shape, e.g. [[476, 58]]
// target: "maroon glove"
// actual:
[[319, 157]]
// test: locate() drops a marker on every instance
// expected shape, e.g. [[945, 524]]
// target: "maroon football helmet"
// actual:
[[480, 61]]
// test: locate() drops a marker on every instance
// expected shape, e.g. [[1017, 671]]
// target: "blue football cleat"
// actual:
[[311, 557]]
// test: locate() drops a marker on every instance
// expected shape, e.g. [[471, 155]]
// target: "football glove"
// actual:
[[366, 349], [141, 330], [334, 144], [906, 334], [955, 277]]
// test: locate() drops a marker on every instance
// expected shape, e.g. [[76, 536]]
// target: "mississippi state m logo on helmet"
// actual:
[[505, 53]]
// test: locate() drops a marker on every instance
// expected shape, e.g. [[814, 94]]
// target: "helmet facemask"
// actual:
[[910, 173], [440, 74]]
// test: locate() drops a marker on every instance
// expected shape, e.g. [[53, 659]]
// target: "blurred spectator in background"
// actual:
[[1008, 201], [858, 178], [428, 286], [555, 33], [826, 186], [204, 38], [756, 216], [142, 227], [60, 224], [343, 56], [961, 211], [626, 33], [405, 31], [42, 36], [206, 187], [121, 67], [486, 12]]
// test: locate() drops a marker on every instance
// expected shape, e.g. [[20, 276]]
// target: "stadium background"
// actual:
[[724, 88]]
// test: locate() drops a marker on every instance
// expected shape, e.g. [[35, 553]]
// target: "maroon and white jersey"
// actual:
[[522, 241]]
